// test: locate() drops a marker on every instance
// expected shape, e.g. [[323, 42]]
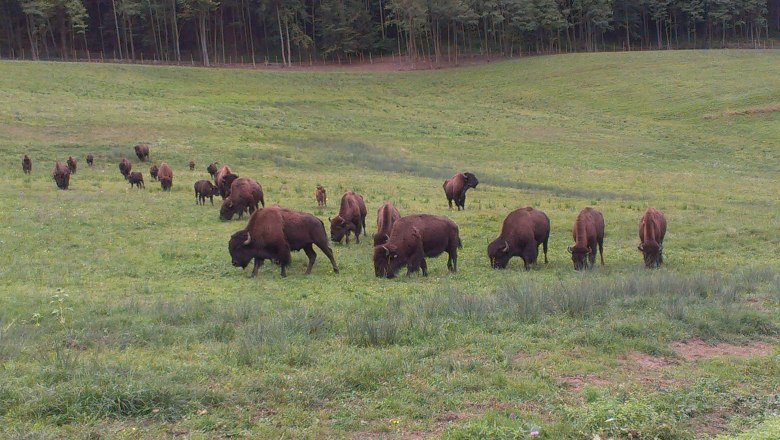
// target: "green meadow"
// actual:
[[121, 315]]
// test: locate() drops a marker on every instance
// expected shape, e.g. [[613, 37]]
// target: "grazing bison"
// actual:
[[224, 179], [72, 164], [245, 194], [136, 179], [61, 175], [414, 238], [652, 229], [212, 169], [142, 151], [351, 218], [165, 176], [192, 165], [521, 234], [90, 159], [203, 189], [273, 232], [124, 167], [588, 231], [456, 186], [386, 216], [321, 196], [26, 164], [153, 170]]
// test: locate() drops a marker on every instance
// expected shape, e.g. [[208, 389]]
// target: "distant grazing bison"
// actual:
[[153, 170], [386, 216], [26, 164], [203, 189], [61, 174], [224, 179], [72, 164], [125, 167], [321, 196], [90, 159], [588, 231], [136, 179], [165, 176], [414, 238], [652, 229], [272, 233], [351, 218], [245, 194], [142, 151], [212, 169], [456, 186], [192, 165], [521, 234]]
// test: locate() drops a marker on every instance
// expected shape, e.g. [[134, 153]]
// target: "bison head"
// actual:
[[62, 179], [227, 209], [499, 253], [386, 261], [166, 183], [339, 228], [580, 256], [240, 248], [652, 253], [470, 180]]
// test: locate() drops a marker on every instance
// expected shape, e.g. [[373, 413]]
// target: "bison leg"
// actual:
[[424, 267], [258, 263], [312, 257], [210, 198], [328, 253]]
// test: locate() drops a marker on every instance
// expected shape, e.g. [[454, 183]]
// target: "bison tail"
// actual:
[[460, 243]]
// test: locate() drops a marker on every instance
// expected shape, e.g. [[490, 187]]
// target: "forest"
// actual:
[[288, 32]]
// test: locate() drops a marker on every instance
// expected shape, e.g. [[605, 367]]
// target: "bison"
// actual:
[[165, 176], [245, 194], [153, 170], [521, 234], [321, 196], [136, 179], [272, 233], [386, 216], [72, 164], [588, 231], [652, 229], [125, 167], [26, 165], [224, 179], [351, 218], [456, 186], [61, 175], [192, 165], [142, 151], [203, 189], [412, 239], [90, 159], [212, 169]]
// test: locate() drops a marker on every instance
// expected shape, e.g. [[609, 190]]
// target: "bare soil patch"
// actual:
[[579, 381], [694, 349]]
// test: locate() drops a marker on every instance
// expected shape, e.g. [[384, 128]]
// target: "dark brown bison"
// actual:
[[61, 174], [203, 189], [125, 167], [321, 196], [192, 165], [90, 159], [588, 231], [136, 179], [652, 229], [273, 232], [521, 234], [212, 169], [26, 165], [351, 218], [412, 239], [165, 176], [245, 194], [456, 186], [224, 179], [72, 164], [153, 170], [386, 216], [142, 151]]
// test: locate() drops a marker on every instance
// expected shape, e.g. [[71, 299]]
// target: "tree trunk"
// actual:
[[204, 50], [281, 34], [175, 27], [116, 24]]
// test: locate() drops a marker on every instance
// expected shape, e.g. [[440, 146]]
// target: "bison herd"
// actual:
[[273, 232]]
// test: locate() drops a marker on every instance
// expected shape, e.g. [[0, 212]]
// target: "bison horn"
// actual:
[[506, 246], [569, 249], [387, 251], [641, 247], [660, 248], [388, 237], [248, 239]]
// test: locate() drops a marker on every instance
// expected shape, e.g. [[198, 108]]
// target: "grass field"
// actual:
[[122, 317]]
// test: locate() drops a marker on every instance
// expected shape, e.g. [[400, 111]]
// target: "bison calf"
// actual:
[[245, 194], [125, 167], [165, 176], [652, 229], [153, 170], [192, 165], [521, 234], [72, 164], [61, 174], [212, 169], [321, 196], [203, 189], [26, 165], [351, 218], [136, 179], [90, 159], [588, 231], [456, 186]]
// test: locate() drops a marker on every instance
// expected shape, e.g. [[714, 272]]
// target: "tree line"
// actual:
[[294, 31]]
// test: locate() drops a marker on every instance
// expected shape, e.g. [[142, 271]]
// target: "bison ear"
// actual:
[[569, 249], [506, 246], [248, 240]]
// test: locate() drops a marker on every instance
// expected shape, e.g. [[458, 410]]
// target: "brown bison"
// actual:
[[224, 179], [212, 169], [351, 218], [245, 194], [165, 176], [26, 164], [142, 151], [192, 165], [61, 175], [153, 170], [273, 232], [414, 238], [125, 167], [523, 231], [652, 229], [203, 189], [386, 216], [136, 179], [456, 186], [72, 164], [90, 159], [588, 231], [321, 196]]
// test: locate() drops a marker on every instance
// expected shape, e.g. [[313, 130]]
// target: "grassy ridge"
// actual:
[[160, 335]]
